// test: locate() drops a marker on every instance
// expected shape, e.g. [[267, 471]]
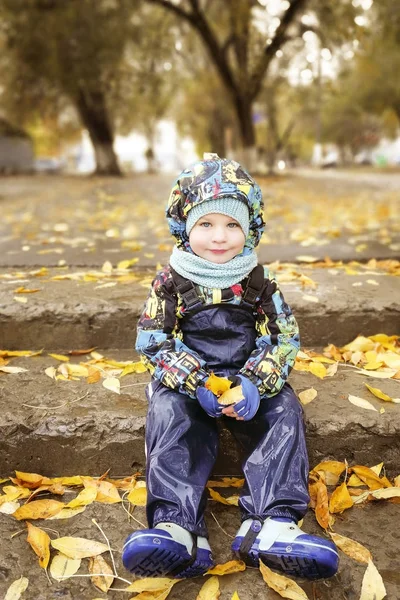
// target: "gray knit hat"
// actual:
[[231, 207]]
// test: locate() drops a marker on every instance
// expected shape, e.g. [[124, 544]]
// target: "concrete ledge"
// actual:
[[87, 429], [82, 314]]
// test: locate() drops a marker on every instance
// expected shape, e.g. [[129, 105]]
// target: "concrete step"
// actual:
[[72, 427], [372, 526], [93, 308]]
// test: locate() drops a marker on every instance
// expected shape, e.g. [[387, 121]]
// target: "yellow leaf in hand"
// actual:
[[284, 586], [76, 547], [38, 509], [232, 566], [340, 499], [210, 590], [352, 548], [217, 385], [231, 396], [40, 543]]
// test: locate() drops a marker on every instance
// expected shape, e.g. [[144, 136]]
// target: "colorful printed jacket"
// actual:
[[167, 357]]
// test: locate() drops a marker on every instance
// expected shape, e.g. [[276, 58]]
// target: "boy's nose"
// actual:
[[219, 234]]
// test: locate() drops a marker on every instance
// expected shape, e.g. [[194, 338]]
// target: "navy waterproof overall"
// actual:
[[182, 440]]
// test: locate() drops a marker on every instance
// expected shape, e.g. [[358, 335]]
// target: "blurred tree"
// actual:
[[378, 60], [148, 76], [67, 52], [241, 45]]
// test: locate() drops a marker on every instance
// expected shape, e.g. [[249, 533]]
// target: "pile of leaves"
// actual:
[[97, 367], [376, 356], [334, 488]]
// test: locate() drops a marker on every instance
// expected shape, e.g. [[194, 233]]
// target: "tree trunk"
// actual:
[[93, 112], [248, 151]]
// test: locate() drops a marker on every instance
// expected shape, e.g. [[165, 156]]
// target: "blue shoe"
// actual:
[[283, 546], [168, 550]]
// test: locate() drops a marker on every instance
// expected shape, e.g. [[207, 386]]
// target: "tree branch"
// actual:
[[175, 9], [276, 43]]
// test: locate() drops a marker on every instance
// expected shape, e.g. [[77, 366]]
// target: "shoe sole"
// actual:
[[296, 566], [155, 562]]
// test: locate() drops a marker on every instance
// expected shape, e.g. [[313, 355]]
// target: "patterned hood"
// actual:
[[210, 179]]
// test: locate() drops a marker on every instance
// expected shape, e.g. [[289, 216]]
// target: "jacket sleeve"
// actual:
[[277, 344], [165, 355]]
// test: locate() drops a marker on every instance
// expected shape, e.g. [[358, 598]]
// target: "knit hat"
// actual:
[[207, 182], [231, 207]]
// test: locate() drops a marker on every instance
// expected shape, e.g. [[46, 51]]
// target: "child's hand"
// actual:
[[209, 402], [246, 408]]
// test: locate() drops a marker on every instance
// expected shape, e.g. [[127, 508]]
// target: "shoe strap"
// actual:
[[187, 563], [249, 538]]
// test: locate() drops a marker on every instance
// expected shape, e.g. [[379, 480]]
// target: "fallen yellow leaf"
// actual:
[[107, 493], [38, 509], [235, 596], [152, 584], [372, 587], [102, 573], [59, 357], [361, 403], [20, 352], [226, 482], [306, 396], [361, 344], [16, 589], [76, 547], [138, 496], [230, 501], [210, 589], [232, 566], [370, 478], [93, 375], [340, 499], [317, 369], [63, 567], [352, 548], [112, 384], [284, 586], [379, 394], [40, 543], [322, 514], [67, 513], [385, 493], [332, 470], [85, 497]]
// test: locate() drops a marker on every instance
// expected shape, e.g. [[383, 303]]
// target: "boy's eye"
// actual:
[[204, 224], [233, 225]]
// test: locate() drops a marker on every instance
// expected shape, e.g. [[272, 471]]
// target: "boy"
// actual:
[[214, 309]]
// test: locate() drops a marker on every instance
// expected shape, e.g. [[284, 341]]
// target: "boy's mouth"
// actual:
[[218, 251]]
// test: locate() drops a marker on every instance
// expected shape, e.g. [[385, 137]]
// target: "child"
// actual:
[[213, 309]]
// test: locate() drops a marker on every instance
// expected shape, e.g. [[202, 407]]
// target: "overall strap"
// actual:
[[186, 290], [254, 286]]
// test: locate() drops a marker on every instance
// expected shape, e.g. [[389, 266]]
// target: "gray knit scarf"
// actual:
[[209, 274]]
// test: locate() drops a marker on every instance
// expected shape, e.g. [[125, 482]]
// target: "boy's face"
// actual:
[[217, 238]]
